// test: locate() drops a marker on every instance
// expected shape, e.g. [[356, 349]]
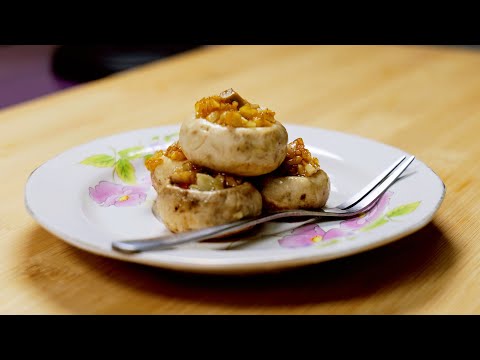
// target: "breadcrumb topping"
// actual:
[[230, 109], [299, 161]]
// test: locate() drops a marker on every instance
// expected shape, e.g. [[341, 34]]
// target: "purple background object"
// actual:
[[26, 73]]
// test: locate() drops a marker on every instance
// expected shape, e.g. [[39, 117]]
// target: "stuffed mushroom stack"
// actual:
[[206, 178]]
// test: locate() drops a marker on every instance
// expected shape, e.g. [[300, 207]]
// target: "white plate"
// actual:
[[90, 207]]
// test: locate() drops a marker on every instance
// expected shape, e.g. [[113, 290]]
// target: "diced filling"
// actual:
[[230, 109], [299, 161], [174, 152], [191, 176]]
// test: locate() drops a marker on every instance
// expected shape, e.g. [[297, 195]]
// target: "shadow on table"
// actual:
[[94, 284]]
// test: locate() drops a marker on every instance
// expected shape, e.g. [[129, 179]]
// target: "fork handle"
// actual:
[[168, 241]]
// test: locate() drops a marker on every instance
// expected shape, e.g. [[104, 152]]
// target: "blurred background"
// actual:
[[30, 71]]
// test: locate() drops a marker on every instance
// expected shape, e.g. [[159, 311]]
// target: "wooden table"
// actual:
[[424, 100]]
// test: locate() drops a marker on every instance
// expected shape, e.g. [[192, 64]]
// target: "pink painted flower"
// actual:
[[372, 215], [310, 234], [107, 194], [303, 236]]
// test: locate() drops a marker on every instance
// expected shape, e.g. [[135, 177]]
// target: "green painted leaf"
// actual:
[[403, 209], [99, 160], [133, 152], [328, 242], [125, 171], [170, 137], [155, 138], [375, 224]]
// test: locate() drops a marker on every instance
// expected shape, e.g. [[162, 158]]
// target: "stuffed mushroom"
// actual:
[[229, 134], [299, 183], [162, 164], [195, 198]]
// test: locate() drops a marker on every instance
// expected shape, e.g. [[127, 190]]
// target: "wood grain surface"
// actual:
[[424, 100]]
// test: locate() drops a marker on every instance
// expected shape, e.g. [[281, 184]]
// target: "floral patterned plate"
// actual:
[[100, 192]]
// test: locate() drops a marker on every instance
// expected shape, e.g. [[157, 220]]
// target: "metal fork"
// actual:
[[359, 203]]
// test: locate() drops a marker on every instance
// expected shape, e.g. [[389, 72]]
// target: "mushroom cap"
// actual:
[[189, 209], [296, 192], [235, 150]]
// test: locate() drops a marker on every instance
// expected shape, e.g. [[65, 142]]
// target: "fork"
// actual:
[[358, 204]]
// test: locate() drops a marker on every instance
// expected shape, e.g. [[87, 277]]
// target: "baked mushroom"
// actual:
[[195, 198], [299, 183], [162, 164], [229, 134]]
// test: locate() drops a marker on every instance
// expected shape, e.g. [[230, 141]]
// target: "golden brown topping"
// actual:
[[191, 176], [173, 152], [214, 104], [299, 161], [152, 162], [230, 109], [231, 95]]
